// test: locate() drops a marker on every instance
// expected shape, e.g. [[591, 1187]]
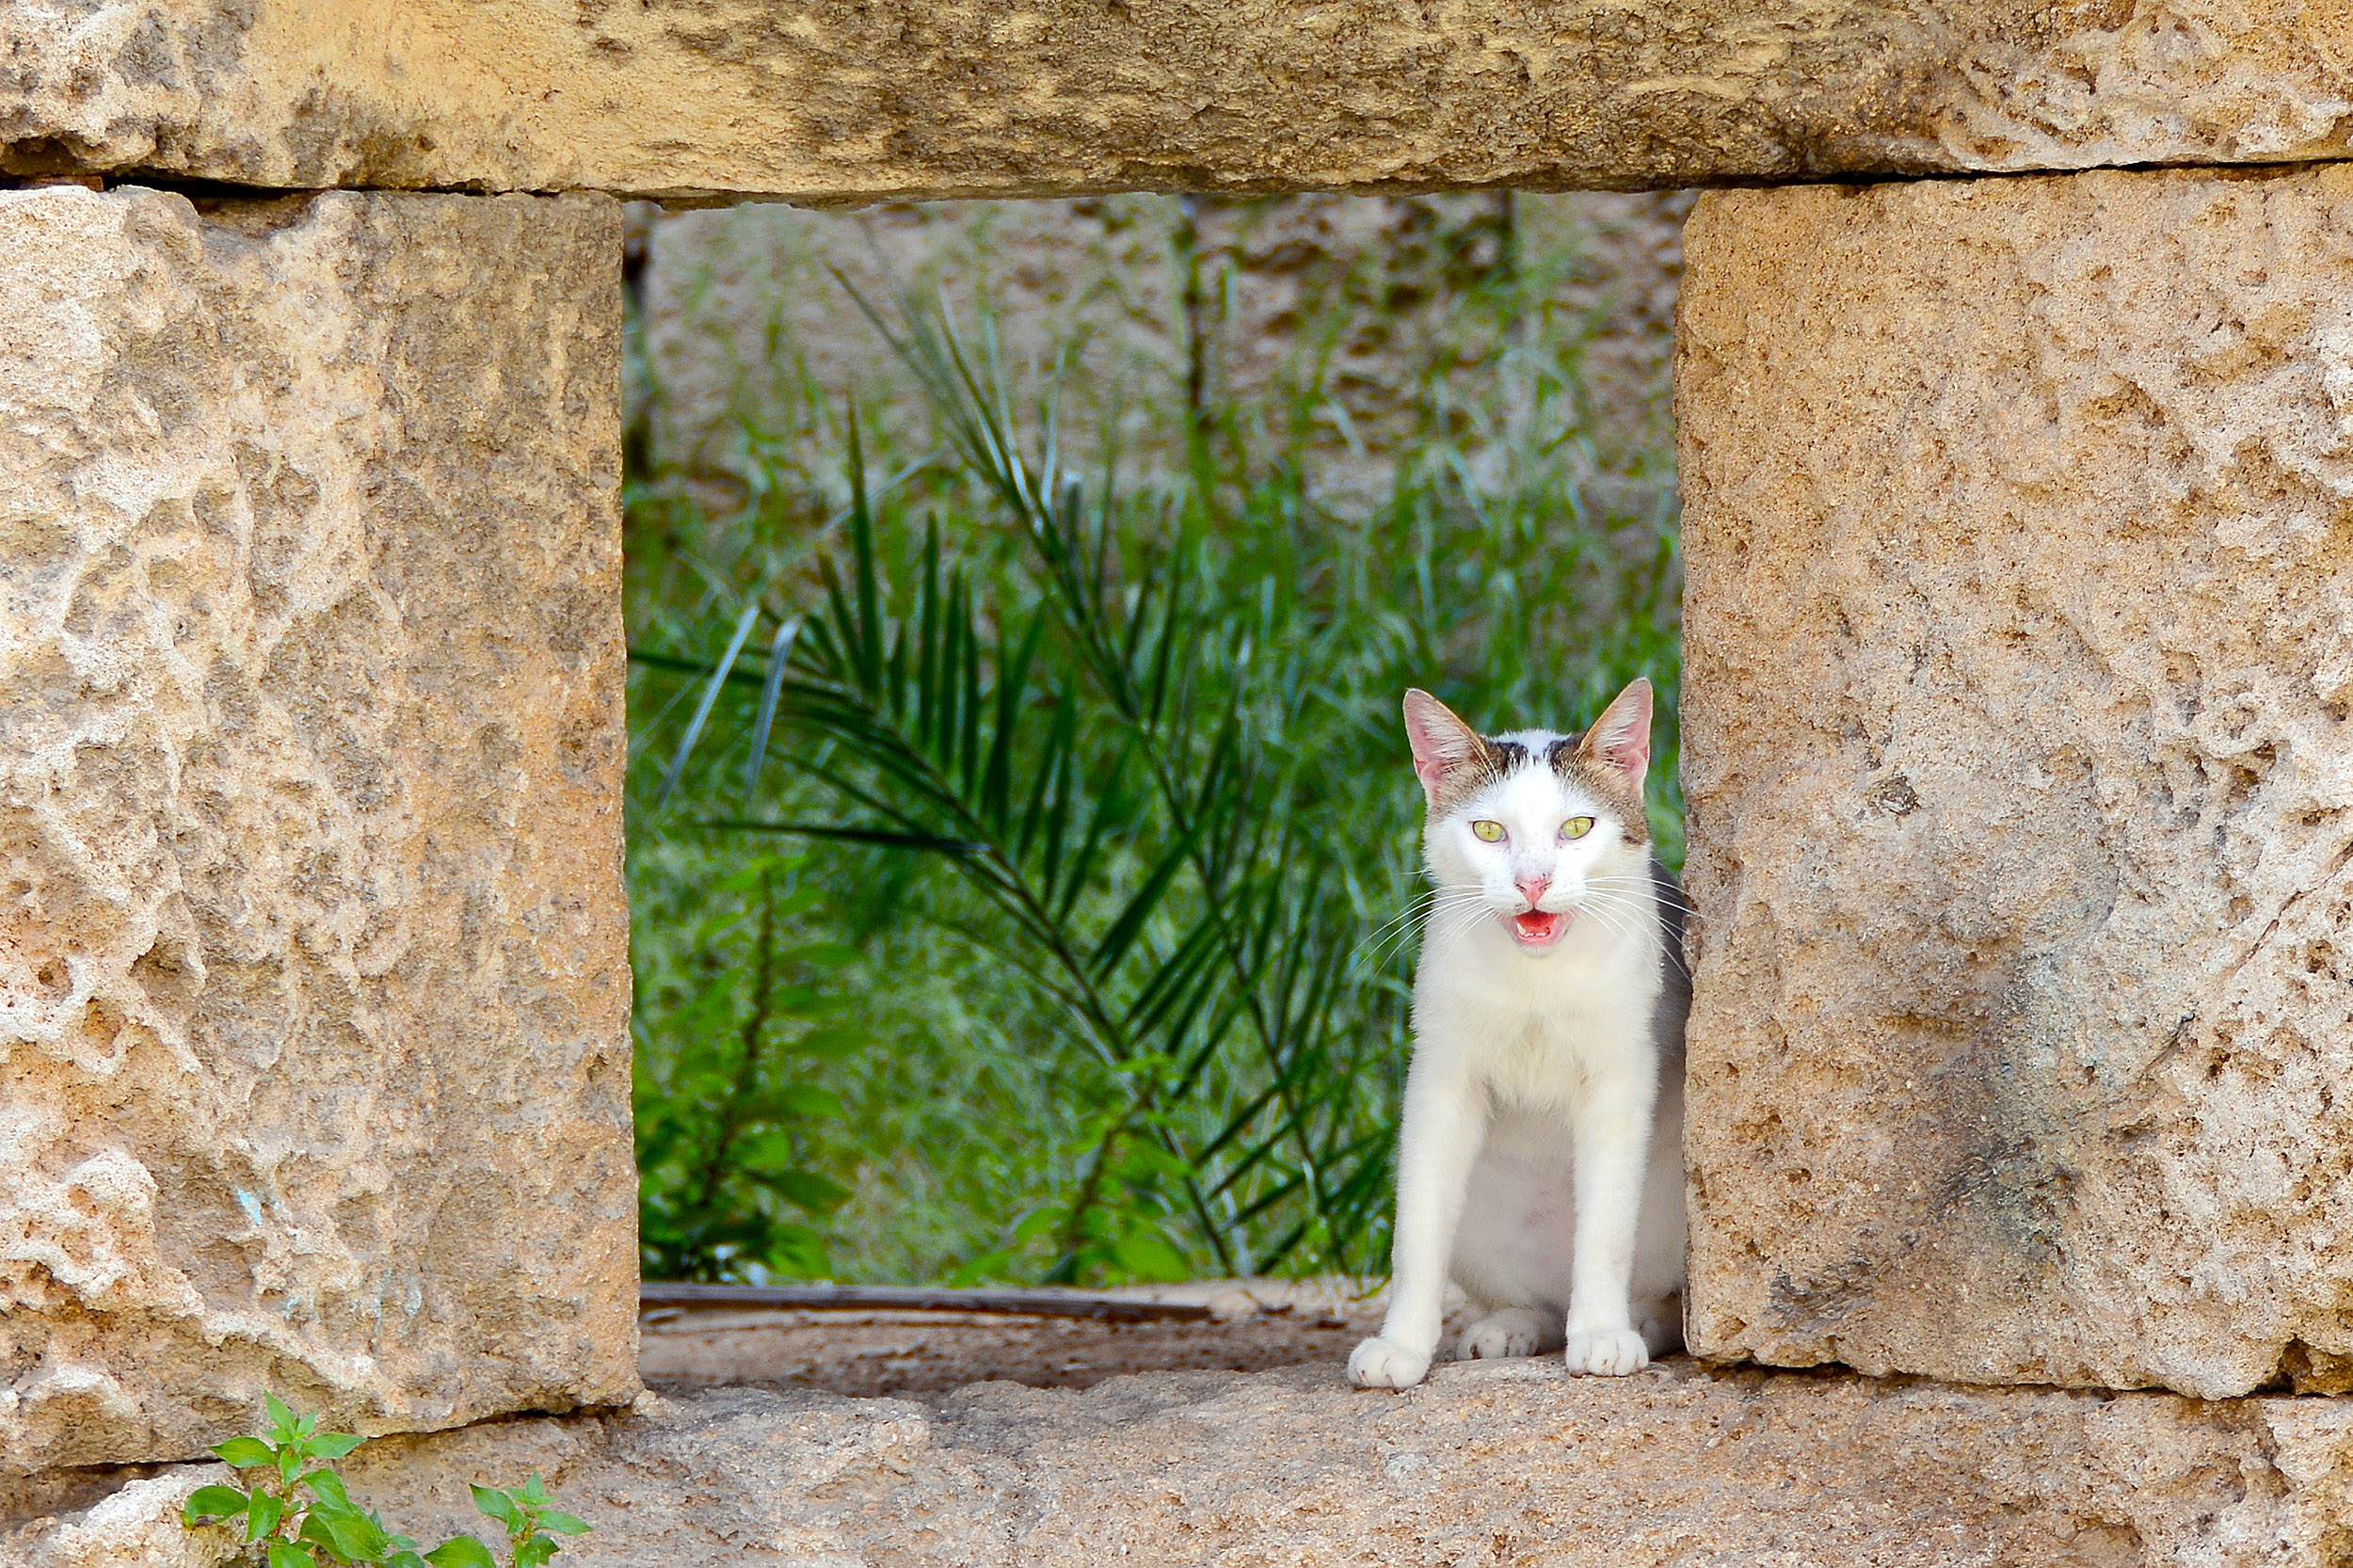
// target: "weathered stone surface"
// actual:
[[1490, 1462], [2019, 522], [1386, 324], [855, 101], [1254, 1326], [313, 987]]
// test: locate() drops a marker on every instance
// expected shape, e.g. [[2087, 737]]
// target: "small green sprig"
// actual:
[[296, 1512], [528, 1518]]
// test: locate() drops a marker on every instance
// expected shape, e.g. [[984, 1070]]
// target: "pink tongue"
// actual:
[[1537, 923]]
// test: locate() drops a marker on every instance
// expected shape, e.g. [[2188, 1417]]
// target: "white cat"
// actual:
[[1541, 1160]]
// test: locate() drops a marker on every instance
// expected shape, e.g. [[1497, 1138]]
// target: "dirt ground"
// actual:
[[1257, 1325]]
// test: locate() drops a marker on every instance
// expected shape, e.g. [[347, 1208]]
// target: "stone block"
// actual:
[[313, 976], [867, 100], [2018, 739], [1489, 1462]]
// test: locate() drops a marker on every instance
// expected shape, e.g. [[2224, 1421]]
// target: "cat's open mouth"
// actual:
[[1539, 928]]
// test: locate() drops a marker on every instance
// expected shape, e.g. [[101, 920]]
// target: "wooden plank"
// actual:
[[876, 1298]]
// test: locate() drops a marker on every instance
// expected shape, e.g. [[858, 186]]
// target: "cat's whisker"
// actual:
[[1371, 955], [1451, 922], [1609, 920], [1631, 916], [1397, 929], [1612, 898], [1627, 889], [1405, 915], [1662, 889], [1604, 912], [1465, 920], [1685, 909], [1607, 898], [1422, 901]]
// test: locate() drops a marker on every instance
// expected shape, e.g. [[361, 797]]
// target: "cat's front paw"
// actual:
[[1380, 1363], [1513, 1331], [1611, 1352]]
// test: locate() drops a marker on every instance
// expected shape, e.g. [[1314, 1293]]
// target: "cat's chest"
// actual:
[[1529, 1041]]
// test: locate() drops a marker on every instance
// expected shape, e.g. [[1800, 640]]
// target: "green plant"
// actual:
[[529, 1518], [1101, 782], [724, 1104], [1090, 775], [294, 1511]]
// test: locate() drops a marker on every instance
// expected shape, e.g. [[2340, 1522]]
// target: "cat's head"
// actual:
[[1533, 832]]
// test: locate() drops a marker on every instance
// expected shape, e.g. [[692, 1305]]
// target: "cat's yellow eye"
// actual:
[[1489, 832], [1577, 827]]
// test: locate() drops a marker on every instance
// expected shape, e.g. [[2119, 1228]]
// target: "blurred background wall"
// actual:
[[1367, 326]]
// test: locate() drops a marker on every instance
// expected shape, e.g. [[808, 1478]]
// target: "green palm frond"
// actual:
[[1083, 766]]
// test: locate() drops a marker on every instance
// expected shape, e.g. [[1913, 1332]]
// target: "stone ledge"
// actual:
[[855, 101], [1494, 1462]]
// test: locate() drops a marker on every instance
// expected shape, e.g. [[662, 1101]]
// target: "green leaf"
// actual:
[[988, 1265], [1051, 1217], [798, 1252], [1146, 898], [823, 956], [772, 1150], [1141, 1158], [246, 1453], [286, 1554], [1148, 1256], [806, 1188], [262, 1513], [887, 838], [535, 1552], [533, 1491], [565, 1524], [495, 1503], [461, 1551], [209, 1503], [327, 1484], [813, 1103], [348, 1534], [333, 1445], [825, 1044], [779, 658], [711, 694], [282, 1416]]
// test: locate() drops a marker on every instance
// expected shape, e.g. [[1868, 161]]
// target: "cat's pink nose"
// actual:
[[1532, 888]]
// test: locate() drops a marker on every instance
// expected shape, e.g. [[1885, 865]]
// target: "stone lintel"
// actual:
[[854, 102]]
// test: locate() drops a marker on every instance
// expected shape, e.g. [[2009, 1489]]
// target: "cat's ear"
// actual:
[[1441, 741], [1619, 739]]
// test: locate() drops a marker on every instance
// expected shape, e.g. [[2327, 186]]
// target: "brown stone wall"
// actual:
[[2019, 529], [1354, 331], [869, 99], [313, 981]]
